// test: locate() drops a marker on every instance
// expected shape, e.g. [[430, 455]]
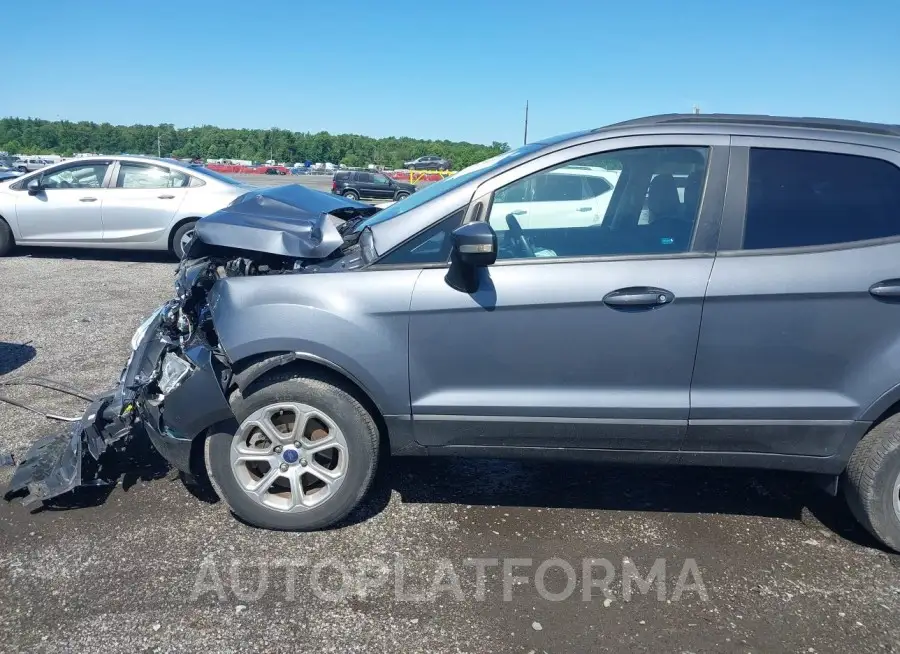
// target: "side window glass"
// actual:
[[178, 179], [87, 176], [431, 246], [380, 179], [136, 176], [799, 198], [634, 201]]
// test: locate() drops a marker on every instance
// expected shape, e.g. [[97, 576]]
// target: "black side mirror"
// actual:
[[474, 247], [34, 186]]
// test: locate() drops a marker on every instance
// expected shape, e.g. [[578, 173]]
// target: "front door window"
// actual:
[[626, 202], [86, 176]]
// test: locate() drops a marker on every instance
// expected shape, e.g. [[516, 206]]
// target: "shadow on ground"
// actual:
[[95, 254], [553, 485], [14, 356]]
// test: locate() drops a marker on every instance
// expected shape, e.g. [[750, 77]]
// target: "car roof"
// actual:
[[164, 161], [773, 125]]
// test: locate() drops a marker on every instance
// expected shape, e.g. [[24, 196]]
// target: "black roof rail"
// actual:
[[760, 120]]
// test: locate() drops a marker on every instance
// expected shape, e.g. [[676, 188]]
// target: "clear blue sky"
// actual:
[[456, 69]]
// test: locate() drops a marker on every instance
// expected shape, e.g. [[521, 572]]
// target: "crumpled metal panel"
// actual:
[[51, 467], [291, 221]]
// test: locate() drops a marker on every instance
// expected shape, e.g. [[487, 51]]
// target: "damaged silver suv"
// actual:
[[735, 303]]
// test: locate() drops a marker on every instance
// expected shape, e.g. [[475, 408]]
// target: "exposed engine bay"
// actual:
[[177, 380]]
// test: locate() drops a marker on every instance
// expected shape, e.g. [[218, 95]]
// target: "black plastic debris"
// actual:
[[51, 467]]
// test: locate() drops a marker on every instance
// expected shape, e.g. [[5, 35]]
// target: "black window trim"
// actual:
[[379, 265], [734, 215], [706, 230]]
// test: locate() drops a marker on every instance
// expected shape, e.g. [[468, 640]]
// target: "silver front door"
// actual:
[[579, 335], [67, 208]]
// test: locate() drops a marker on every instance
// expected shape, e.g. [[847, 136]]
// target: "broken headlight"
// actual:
[[142, 330], [173, 370]]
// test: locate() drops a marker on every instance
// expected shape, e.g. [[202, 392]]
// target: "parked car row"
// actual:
[[8, 168]]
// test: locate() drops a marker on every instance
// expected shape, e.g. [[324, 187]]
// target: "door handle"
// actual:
[[519, 212], [638, 298], [87, 199], [583, 209], [165, 197], [886, 290]]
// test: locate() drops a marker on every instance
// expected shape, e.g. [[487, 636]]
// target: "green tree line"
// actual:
[[35, 136]]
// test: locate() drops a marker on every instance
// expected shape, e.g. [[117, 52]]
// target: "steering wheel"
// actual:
[[518, 236]]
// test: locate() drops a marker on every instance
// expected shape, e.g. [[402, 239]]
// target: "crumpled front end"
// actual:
[[177, 380], [171, 389]]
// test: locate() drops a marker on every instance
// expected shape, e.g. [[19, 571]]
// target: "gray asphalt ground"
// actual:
[[155, 565]]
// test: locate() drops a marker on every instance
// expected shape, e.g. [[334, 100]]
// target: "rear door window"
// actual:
[[801, 198], [137, 176]]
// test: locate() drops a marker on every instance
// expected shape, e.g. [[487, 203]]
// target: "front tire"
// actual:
[[351, 195], [325, 465], [872, 482], [181, 237], [400, 196], [7, 241]]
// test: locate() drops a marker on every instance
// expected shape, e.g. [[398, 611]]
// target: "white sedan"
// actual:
[[570, 196], [128, 202]]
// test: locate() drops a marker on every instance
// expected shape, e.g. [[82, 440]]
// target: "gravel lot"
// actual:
[[153, 565]]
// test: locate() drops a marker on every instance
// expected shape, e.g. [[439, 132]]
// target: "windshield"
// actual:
[[203, 170], [446, 185]]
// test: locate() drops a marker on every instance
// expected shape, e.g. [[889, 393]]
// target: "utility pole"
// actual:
[[696, 108], [158, 146], [526, 123]]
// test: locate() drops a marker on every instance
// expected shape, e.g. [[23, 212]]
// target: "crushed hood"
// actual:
[[290, 221]]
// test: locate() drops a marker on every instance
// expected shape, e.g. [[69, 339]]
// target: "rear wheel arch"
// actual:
[[884, 407], [7, 237], [178, 225]]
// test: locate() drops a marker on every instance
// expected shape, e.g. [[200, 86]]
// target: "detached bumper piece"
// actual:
[[168, 392], [57, 463], [51, 467]]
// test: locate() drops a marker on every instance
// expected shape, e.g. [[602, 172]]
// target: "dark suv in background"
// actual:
[[356, 184]]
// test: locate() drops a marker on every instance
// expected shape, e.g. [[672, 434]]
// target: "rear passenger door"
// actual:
[[801, 323], [363, 182], [142, 201]]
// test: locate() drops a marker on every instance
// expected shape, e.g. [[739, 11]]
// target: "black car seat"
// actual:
[[667, 229]]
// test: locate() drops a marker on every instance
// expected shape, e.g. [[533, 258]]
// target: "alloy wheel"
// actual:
[[289, 457]]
